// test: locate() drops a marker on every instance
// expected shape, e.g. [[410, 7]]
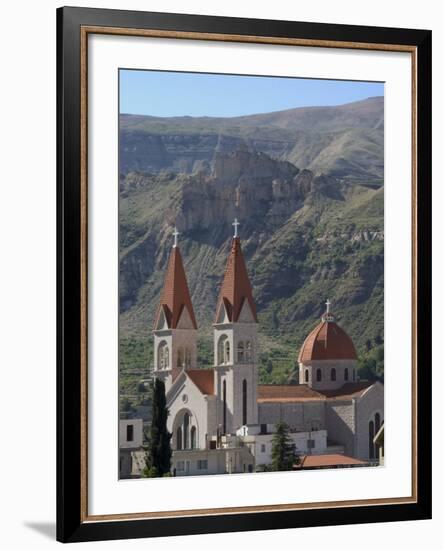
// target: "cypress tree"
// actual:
[[158, 455], [283, 450]]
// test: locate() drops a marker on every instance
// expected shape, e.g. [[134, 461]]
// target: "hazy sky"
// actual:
[[161, 93]]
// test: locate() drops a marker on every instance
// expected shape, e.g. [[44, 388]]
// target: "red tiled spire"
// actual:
[[175, 294], [236, 287]]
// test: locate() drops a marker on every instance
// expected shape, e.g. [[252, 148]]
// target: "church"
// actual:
[[221, 419]]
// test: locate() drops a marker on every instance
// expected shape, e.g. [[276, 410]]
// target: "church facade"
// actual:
[[221, 418]]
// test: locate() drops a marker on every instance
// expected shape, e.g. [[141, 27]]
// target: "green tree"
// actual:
[[125, 405], [283, 450], [158, 453]]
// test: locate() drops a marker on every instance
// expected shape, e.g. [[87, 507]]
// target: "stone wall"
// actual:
[[370, 403], [301, 417], [340, 423]]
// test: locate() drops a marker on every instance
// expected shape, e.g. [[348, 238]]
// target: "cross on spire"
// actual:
[[176, 234], [328, 303], [236, 224]]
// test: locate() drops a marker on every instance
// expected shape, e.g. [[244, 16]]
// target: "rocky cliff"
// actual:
[[345, 141], [305, 237]]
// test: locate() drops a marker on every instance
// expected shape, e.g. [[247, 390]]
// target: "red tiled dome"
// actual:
[[327, 341]]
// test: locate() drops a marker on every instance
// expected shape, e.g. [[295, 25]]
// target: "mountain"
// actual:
[[306, 185], [344, 141], [306, 237]]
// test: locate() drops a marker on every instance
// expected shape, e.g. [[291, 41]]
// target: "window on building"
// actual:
[[263, 448], [263, 428], [318, 375], [193, 437], [224, 350], [245, 402], [333, 375], [163, 355], [346, 375], [224, 406], [202, 464], [353, 375], [311, 443], [240, 352], [186, 431], [180, 358], [248, 352], [130, 432], [376, 428], [179, 439], [371, 440], [180, 465], [227, 352], [377, 422], [306, 375]]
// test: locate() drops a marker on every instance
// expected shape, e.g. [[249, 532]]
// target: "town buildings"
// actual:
[[221, 418]]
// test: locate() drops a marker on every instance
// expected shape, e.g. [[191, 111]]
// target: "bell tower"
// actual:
[[236, 345], [175, 326]]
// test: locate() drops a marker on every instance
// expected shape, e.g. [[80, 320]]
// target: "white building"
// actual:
[[131, 455], [220, 418]]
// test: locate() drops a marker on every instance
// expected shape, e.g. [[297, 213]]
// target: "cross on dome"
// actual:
[[328, 316], [176, 234], [236, 224]]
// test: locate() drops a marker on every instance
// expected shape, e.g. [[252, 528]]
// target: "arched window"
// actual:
[[333, 375], [245, 402], [346, 374], [193, 437], [186, 431], [248, 352], [224, 406], [224, 350], [371, 439], [241, 352], [318, 375], [377, 422], [163, 355], [179, 439], [306, 376], [376, 428]]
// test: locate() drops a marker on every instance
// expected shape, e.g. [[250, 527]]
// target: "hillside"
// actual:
[[344, 141], [306, 236]]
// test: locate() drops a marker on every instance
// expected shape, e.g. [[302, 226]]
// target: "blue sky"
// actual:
[[160, 93]]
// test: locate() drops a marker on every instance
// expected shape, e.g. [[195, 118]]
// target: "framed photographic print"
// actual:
[[243, 274]]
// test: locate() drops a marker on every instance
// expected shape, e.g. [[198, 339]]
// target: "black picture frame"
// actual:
[[71, 523]]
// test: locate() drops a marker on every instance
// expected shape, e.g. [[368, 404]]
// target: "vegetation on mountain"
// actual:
[[306, 236]]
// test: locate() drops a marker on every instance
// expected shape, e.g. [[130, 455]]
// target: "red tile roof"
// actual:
[[323, 461], [281, 394], [327, 341], [236, 287], [203, 379], [301, 392], [175, 294], [348, 390]]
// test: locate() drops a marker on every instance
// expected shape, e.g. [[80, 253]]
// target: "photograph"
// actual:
[[251, 274]]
